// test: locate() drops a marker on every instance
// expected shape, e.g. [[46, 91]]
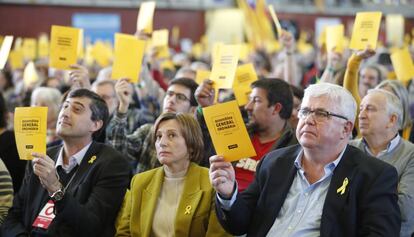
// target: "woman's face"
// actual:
[[170, 145]]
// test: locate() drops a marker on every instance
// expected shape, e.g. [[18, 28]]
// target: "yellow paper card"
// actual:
[[202, 75], [224, 66], [30, 76], [63, 47], [18, 43], [145, 17], [160, 38], [275, 20], [16, 59], [128, 57], [102, 54], [43, 46], [29, 48], [30, 125], [175, 35], [5, 50], [365, 31], [227, 131], [335, 38], [245, 76], [394, 25], [403, 64], [197, 50]]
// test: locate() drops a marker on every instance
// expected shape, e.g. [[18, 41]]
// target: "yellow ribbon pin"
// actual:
[[187, 210], [92, 159], [343, 187]]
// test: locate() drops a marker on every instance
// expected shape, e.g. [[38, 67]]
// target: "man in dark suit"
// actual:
[[78, 187], [322, 187]]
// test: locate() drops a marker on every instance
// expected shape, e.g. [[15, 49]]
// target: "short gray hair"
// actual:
[[393, 104], [51, 96], [401, 92], [337, 94]]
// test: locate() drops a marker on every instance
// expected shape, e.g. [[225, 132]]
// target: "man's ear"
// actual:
[[278, 108], [393, 122], [347, 129], [96, 125]]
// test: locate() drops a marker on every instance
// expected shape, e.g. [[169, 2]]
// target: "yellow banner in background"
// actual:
[[64, 47], [228, 132], [403, 64], [30, 126], [129, 52], [145, 17], [5, 50], [365, 31]]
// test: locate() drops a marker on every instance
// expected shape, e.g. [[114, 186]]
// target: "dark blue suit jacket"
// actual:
[[367, 208], [90, 205]]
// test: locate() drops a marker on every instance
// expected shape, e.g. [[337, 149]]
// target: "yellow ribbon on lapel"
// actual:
[[187, 210], [343, 187], [92, 159]]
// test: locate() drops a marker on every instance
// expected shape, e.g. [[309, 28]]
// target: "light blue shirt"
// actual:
[[74, 160], [391, 146], [301, 212]]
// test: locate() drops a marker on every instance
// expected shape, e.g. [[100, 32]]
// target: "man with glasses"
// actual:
[[320, 187], [137, 146]]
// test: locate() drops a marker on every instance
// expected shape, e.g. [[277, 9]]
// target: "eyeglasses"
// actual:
[[179, 96], [319, 114]]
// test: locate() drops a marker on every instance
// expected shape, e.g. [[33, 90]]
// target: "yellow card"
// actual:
[[16, 59], [145, 17], [394, 25], [29, 48], [128, 57], [202, 75], [335, 38], [175, 35], [63, 47], [365, 31], [30, 76], [43, 46], [403, 64], [5, 50], [160, 38], [197, 50], [102, 54], [30, 125], [245, 76], [275, 20], [224, 66], [227, 131]]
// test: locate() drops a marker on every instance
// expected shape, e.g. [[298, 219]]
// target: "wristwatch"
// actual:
[[58, 195]]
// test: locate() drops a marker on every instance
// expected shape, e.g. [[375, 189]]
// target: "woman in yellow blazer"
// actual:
[[176, 199]]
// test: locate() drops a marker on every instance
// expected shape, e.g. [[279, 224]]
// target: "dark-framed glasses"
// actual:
[[319, 115], [179, 96]]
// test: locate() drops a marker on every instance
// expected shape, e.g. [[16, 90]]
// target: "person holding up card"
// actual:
[[269, 109], [77, 188], [177, 198], [320, 187], [137, 145]]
